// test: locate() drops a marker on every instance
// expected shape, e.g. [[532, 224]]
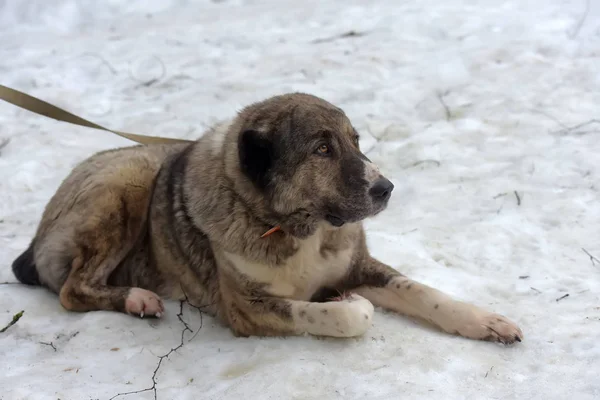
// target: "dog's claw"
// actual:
[[158, 315], [142, 314]]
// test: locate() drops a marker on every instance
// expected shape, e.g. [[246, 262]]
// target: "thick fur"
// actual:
[[184, 221]]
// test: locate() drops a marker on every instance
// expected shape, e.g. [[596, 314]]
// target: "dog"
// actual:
[[259, 220]]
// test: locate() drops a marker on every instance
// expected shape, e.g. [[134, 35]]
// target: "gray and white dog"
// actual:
[[189, 221]]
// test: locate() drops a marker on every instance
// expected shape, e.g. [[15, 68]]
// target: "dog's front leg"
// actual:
[[387, 288], [271, 316]]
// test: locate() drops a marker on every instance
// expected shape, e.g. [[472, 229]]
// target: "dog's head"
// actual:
[[303, 155]]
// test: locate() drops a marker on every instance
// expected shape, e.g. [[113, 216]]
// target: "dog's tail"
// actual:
[[24, 267]]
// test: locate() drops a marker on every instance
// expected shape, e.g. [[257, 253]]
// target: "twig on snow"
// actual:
[[518, 198], [150, 82], [160, 359], [186, 328], [440, 97], [592, 258], [15, 319], [10, 283], [562, 297], [49, 344], [102, 60], [581, 20], [571, 129], [534, 289], [486, 374], [345, 35], [199, 308]]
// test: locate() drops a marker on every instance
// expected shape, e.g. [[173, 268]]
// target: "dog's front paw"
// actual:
[[352, 315], [492, 327]]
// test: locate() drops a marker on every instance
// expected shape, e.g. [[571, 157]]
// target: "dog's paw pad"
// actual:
[[143, 302]]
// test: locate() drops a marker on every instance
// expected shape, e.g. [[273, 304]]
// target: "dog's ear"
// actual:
[[256, 157]]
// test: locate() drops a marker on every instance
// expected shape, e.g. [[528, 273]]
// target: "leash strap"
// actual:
[[41, 107]]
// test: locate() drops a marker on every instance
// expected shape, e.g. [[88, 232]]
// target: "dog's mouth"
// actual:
[[334, 220]]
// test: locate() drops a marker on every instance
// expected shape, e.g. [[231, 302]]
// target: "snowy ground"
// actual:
[[477, 110]]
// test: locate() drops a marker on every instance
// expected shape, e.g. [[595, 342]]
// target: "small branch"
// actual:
[[49, 344], [534, 289], [15, 319], [150, 82], [573, 128], [102, 60], [440, 97], [486, 374], [523, 276], [345, 35], [581, 21], [186, 328], [593, 259], [199, 308], [518, 198], [562, 297], [160, 360]]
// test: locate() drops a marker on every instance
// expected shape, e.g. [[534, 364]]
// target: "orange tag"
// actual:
[[270, 231]]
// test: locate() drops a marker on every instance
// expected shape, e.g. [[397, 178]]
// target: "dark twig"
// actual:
[[345, 35], [568, 130], [523, 276], [199, 308], [150, 82], [562, 297], [49, 344], [160, 359], [186, 328], [534, 289], [440, 97], [102, 60], [486, 374], [593, 259], [581, 20], [518, 198], [10, 283], [15, 319]]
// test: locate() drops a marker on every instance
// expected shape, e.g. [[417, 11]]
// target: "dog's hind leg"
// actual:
[[110, 221]]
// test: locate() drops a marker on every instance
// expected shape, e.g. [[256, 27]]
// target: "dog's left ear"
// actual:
[[256, 157]]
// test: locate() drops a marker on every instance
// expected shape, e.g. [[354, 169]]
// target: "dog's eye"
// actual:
[[356, 138], [323, 150]]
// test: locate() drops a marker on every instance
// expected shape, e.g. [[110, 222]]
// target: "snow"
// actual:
[[466, 105]]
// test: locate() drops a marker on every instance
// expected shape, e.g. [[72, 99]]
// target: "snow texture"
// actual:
[[485, 114]]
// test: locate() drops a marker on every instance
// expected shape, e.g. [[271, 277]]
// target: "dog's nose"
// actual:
[[382, 189]]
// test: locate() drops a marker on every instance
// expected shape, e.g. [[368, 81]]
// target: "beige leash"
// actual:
[[41, 107]]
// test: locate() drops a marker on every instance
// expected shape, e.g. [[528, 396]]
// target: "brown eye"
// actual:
[[323, 150]]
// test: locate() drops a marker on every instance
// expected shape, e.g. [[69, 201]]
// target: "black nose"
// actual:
[[382, 189]]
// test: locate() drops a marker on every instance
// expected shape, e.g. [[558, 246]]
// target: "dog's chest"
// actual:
[[316, 264]]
